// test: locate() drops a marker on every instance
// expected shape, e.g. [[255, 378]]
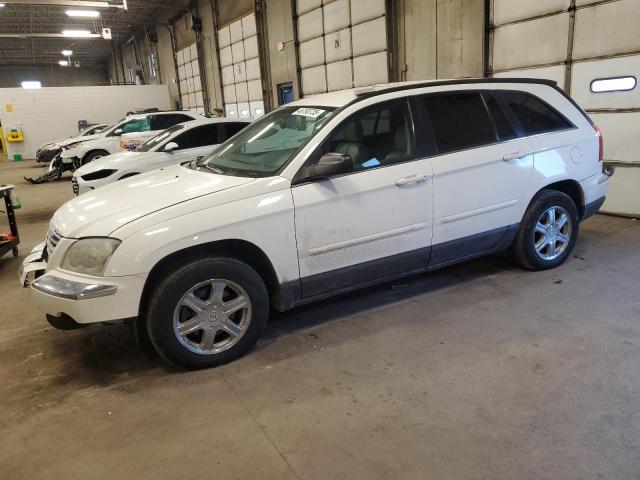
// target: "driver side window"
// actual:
[[376, 137]]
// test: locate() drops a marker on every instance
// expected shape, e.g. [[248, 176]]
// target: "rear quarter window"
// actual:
[[534, 115]]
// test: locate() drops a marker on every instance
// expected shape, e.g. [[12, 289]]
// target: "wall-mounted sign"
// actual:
[[8, 107]]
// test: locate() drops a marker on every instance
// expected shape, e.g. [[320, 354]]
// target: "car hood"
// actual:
[[116, 161], [104, 210]]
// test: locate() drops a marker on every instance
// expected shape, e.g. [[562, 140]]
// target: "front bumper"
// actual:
[[45, 156], [82, 298]]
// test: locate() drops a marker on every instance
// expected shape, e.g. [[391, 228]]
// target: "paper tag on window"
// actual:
[[309, 112]]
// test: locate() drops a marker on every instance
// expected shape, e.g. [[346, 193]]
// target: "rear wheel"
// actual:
[[548, 231], [208, 312]]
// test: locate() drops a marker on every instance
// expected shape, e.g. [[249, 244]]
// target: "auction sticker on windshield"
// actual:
[[309, 112]]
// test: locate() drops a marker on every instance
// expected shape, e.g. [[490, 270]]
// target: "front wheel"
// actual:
[[548, 231], [208, 312]]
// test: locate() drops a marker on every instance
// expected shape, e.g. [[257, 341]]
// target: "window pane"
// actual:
[[389, 140], [459, 120], [535, 116], [267, 144], [136, 126], [504, 127], [618, 84], [198, 137], [229, 129], [162, 122]]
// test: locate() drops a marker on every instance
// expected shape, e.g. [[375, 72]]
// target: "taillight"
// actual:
[[600, 142]]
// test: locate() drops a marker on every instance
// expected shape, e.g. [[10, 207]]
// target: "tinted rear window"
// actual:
[[534, 115], [459, 120]]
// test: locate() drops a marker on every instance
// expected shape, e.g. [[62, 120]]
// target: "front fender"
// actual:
[[266, 220]]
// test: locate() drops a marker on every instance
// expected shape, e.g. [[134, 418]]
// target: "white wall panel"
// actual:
[[370, 69], [622, 196], [229, 93], [239, 72], [607, 29], [536, 42], [253, 69], [337, 45], [620, 132], [251, 47], [362, 10], [312, 53], [185, 101], [249, 25], [555, 73], [180, 57], [231, 110], [235, 30], [314, 80], [336, 15], [505, 11], [224, 38], [50, 113], [304, 6], [242, 92], [244, 110], [237, 52], [188, 70], [227, 75], [334, 38], [257, 109], [254, 88], [195, 68], [339, 76], [369, 37], [310, 25], [585, 72], [225, 56]]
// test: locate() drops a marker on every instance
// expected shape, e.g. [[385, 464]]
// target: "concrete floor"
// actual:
[[479, 371]]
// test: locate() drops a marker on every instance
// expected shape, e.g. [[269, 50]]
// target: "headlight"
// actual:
[[72, 145], [90, 255], [98, 175]]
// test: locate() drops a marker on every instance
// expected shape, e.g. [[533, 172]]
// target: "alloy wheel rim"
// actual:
[[212, 316], [552, 233]]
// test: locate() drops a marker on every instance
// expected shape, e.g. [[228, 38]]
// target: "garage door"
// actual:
[[341, 44], [240, 63], [592, 49], [189, 78]]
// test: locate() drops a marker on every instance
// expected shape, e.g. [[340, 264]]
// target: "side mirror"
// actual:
[[118, 132], [332, 164], [170, 147]]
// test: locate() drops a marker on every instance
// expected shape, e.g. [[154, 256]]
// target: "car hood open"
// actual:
[[104, 210]]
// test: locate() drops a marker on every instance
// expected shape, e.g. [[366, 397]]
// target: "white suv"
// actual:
[[127, 134], [178, 144], [320, 197]]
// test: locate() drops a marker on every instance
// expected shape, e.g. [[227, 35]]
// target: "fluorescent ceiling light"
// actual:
[[67, 53], [31, 84], [2, 5], [76, 33], [63, 63], [83, 13]]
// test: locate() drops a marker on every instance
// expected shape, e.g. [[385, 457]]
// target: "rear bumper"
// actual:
[[594, 190], [592, 208]]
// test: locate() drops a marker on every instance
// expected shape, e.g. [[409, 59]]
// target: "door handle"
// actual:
[[516, 155], [411, 179]]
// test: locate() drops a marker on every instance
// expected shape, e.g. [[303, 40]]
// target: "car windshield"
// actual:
[[161, 137], [267, 144], [112, 126]]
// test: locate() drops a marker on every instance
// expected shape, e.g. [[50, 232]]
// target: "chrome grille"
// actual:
[[74, 185], [53, 238]]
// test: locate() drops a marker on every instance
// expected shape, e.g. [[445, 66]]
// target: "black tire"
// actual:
[[523, 248], [167, 295], [15, 252], [91, 156]]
